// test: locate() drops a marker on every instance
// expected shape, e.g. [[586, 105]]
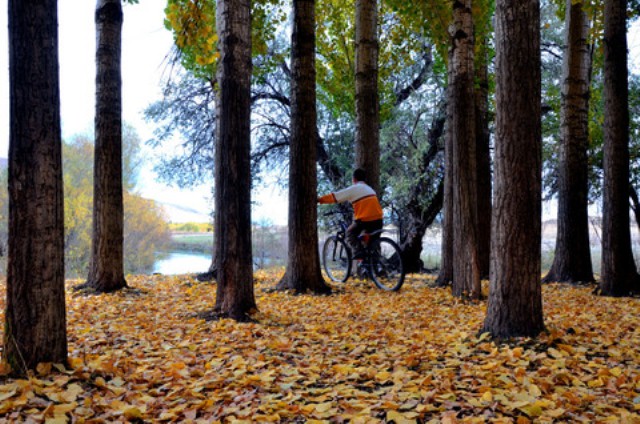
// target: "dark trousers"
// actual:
[[358, 227]]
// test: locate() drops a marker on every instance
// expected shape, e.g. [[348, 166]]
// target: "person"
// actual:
[[367, 212]]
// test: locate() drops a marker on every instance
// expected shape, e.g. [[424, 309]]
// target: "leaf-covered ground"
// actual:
[[358, 356]]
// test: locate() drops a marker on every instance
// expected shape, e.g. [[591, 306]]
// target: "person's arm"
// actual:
[[327, 198]]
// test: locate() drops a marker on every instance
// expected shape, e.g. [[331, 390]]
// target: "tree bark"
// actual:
[[483, 158], [367, 103], [466, 270], [445, 276], [572, 260], [106, 270], [619, 276], [303, 268], [235, 297], [515, 301], [35, 319]]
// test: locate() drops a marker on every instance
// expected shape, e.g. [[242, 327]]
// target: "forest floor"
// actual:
[[358, 356]]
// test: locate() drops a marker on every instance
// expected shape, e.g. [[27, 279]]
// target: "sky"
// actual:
[[145, 45]]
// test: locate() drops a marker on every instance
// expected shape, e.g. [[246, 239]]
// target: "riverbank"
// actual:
[[201, 242]]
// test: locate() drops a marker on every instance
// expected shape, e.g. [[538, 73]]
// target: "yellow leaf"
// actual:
[[555, 353], [535, 391], [616, 372], [323, 407], [555, 413], [44, 368], [487, 396], [566, 348], [56, 420], [7, 394], [383, 376], [595, 383], [64, 408], [532, 410], [8, 406], [344, 369], [399, 418], [133, 413], [118, 382], [72, 393], [484, 336], [76, 363]]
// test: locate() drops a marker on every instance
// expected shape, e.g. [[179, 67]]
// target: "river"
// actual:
[[182, 263]]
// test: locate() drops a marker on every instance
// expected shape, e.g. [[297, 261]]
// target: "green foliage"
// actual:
[[193, 24], [335, 46]]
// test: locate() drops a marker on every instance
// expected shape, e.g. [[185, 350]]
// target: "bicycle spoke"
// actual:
[[386, 265], [336, 259]]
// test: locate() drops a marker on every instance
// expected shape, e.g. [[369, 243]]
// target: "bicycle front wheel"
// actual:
[[336, 259], [387, 268]]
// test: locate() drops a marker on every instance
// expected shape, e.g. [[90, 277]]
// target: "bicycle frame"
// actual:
[[382, 262]]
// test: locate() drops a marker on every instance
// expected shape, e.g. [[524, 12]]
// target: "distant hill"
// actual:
[[184, 213]]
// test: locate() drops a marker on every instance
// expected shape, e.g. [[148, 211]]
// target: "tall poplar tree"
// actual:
[[466, 270], [572, 260], [515, 296], [619, 276], [367, 98], [482, 28], [235, 297], [35, 319], [445, 276], [106, 270], [303, 267]]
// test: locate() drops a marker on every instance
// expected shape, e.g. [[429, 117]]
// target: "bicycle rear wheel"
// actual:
[[387, 269], [336, 259]]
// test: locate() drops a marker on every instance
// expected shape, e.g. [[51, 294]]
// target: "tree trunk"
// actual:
[[235, 297], [419, 219], [466, 270], [367, 107], [483, 158], [106, 271], [35, 318], [446, 264], [303, 268], [515, 300], [572, 260], [619, 275]]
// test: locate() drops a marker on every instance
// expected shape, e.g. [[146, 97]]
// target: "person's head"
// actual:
[[359, 175]]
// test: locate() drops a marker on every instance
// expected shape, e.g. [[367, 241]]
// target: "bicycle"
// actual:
[[382, 262]]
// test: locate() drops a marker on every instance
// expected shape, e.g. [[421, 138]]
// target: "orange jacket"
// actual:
[[366, 206]]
